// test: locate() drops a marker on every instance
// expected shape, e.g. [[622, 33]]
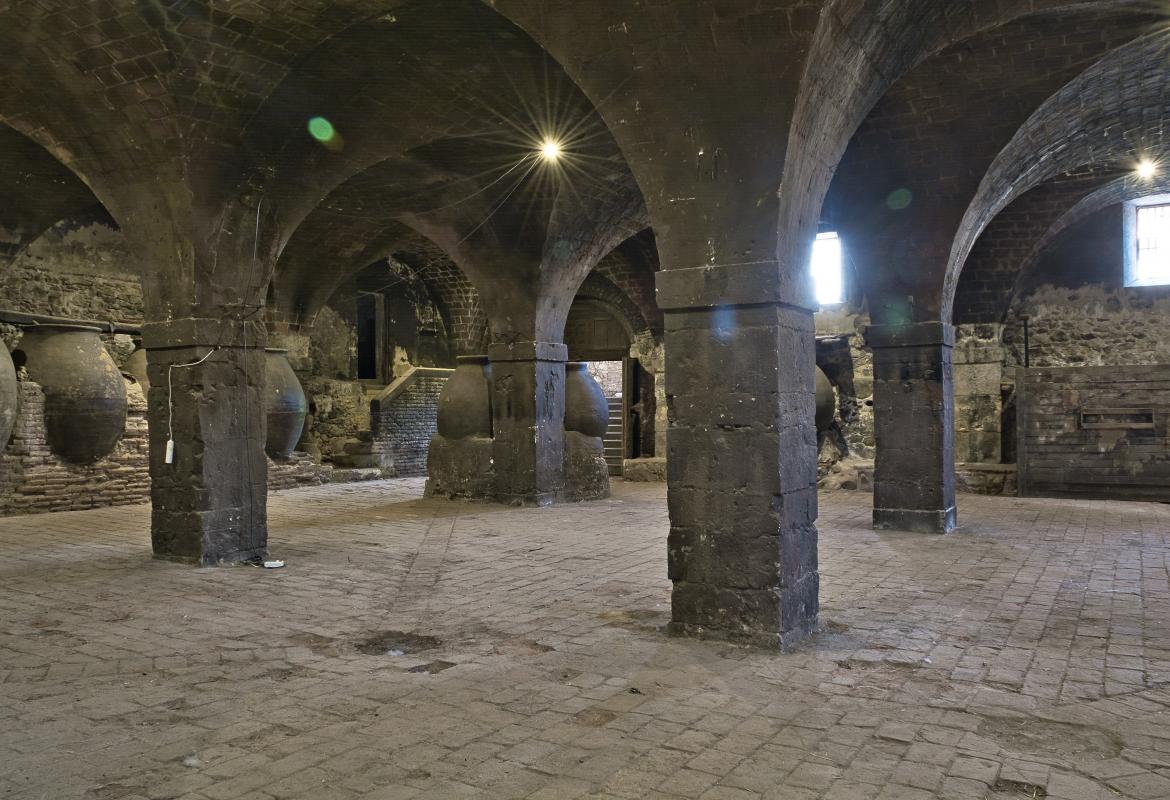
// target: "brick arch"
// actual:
[[48, 192], [453, 294], [1088, 122], [933, 136], [1120, 190], [600, 289], [859, 49], [329, 249], [986, 284], [631, 267]]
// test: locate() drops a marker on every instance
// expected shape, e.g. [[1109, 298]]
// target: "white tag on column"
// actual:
[[170, 451]]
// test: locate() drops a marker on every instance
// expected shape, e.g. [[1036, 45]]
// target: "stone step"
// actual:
[[351, 475], [358, 461], [357, 448]]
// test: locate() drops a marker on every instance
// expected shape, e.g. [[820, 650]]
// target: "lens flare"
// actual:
[[1147, 169], [899, 199], [550, 150], [321, 129]]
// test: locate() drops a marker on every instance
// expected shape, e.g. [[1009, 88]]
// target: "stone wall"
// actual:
[[75, 269], [848, 364], [1090, 326], [978, 369], [33, 480], [1095, 432], [338, 414], [608, 375], [405, 418]]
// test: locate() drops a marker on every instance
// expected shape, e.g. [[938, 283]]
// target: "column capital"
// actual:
[[913, 334], [186, 332], [746, 284], [528, 351]]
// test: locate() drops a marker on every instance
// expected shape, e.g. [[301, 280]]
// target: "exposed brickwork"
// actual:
[[403, 428], [33, 480], [1007, 247], [1087, 122], [935, 133]]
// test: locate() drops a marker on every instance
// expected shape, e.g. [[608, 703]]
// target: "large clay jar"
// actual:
[[85, 396], [8, 396], [135, 367], [465, 405], [285, 405], [586, 410], [826, 401]]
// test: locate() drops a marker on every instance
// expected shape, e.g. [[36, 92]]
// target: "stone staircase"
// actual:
[[614, 451]]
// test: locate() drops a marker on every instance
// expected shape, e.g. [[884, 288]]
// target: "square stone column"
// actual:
[[741, 462], [914, 427], [528, 410], [209, 505]]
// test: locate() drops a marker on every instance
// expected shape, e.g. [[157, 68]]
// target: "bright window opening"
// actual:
[[1151, 263], [828, 270]]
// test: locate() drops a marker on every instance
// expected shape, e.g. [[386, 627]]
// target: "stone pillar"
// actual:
[[209, 506], [528, 410], [914, 426], [741, 461]]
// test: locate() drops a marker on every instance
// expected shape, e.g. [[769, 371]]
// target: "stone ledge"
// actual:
[[915, 334], [394, 390], [644, 470], [984, 479], [528, 351], [191, 332], [748, 284]]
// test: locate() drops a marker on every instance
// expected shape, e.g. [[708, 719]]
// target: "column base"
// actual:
[[527, 500], [914, 520], [784, 642]]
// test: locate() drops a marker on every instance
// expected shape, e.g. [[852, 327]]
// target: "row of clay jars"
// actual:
[[85, 396], [465, 405]]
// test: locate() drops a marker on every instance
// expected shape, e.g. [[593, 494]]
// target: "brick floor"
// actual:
[[1028, 652]]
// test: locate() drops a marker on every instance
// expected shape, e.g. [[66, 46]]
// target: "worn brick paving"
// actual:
[[1027, 653]]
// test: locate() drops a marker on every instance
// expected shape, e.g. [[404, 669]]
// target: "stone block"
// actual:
[[586, 473], [644, 470], [460, 468]]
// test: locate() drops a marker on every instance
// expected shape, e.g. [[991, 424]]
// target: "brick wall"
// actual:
[[1095, 432], [33, 480], [406, 417]]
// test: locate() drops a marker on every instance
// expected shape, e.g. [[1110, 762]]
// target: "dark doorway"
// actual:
[[367, 337]]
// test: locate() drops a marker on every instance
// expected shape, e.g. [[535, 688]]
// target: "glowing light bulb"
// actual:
[[550, 150], [1147, 169]]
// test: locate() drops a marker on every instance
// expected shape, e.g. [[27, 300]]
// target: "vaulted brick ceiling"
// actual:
[[918, 160], [170, 112]]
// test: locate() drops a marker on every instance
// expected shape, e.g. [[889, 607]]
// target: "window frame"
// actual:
[[1131, 277], [844, 294]]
